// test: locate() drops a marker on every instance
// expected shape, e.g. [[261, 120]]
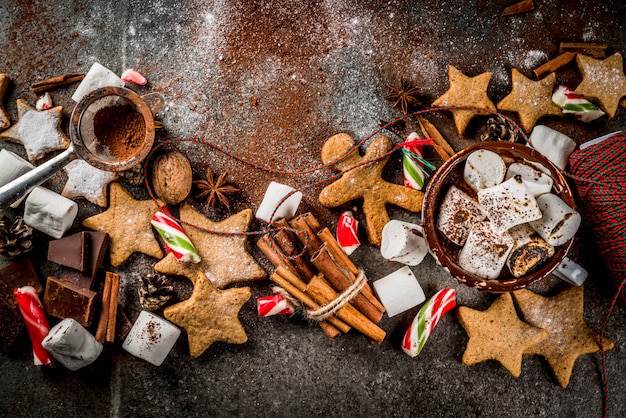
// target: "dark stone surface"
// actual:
[[271, 81]]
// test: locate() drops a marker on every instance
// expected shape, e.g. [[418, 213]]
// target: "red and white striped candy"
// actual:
[[176, 241], [133, 76], [36, 323], [347, 232], [413, 170], [274, 305], [426, 319]]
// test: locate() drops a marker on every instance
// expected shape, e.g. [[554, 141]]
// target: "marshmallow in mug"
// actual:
[[13, 166], [529, 252], [535, 176], [558, 223], [554, 145], [403, 242], [49, 212], [72, 345]]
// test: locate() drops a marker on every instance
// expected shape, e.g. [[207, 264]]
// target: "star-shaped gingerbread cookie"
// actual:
[[466, 91], [87, 181], [498, 334], [5, 121], [603, 80], [366, 182], [224, 258], [38, 130], [530, 99], [210, 315], [569, 336], [127, 221]]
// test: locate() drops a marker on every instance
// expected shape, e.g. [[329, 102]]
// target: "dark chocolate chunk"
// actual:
[[64, 299], [11, 324], [98, 245], [17, 274], [71, 251]]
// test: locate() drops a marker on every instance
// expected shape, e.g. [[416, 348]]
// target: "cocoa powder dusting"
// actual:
[[120, 131]]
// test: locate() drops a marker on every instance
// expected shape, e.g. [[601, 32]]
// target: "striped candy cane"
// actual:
[[36, 323], [176, 241]]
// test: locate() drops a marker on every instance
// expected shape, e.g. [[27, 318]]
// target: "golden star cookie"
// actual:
[[603, 80], [569, 336], [38, 130], [5, 122], [366, 182], [530, 99], [498, 334], [127, 221], [224, 258], [87, 181], [210, 315], [466, 91]]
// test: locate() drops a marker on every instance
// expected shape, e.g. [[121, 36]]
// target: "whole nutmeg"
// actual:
[[172, 177]]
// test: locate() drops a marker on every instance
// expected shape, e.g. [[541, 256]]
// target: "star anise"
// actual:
[[216, 190], [403, 96]]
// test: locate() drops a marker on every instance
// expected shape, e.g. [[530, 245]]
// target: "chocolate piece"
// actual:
[[64, 299], [71, 251], [98, 243], [17, 274], [12, 324]]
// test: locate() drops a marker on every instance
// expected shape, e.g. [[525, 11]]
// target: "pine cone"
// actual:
[[15, 237], [500, 130], [155, 292]]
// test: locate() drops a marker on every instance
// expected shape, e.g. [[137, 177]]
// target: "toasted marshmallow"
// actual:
[[529, 252], [509, 204], [486, 250], [559, 222], [483, 169], [457, 213], [535, 176]]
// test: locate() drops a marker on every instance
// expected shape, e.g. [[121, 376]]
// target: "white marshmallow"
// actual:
[[403, 242], [558, 223], [457, 213], [72, 345], [13, 166], [483, 169], [399, 291], [485, 252], [535, 176], [49, 212], [151, 338], [554, 145], [97, 76], [509, 204], [273, 195]]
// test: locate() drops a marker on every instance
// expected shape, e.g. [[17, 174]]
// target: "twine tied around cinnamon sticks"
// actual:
[[330, 308]]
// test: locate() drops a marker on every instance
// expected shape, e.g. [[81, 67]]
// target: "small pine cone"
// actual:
[[499, 130], [155, 292], [15, 237]]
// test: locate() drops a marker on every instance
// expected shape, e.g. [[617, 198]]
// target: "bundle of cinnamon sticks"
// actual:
[[319, 275]]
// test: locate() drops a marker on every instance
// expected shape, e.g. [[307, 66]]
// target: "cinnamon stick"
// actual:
[[319, 290], [101, 330], [54, 82], [517, 8], [338, 278], [279, 277], [302, 223], [270, 249], [440, 144], [288, 242], [113, 303], [554, 64], [344, 261], [595, 50]]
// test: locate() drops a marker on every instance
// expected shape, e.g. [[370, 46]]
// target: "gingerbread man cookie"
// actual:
[[366, 182]]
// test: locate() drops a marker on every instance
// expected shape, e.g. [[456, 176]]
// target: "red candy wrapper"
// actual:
[[36, 323], [274, 305], [347, 232]]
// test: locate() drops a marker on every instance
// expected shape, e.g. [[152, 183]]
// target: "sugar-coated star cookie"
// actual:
[[210, 315], [87, 181], [224, 258], [366, 182], [530, 99], [127, 221], [466, 91], [498, 334], [569, 336], [5, 122], [603, 80], [38, 130]]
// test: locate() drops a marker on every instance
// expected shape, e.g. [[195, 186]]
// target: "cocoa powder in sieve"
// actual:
[[120, 131]]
